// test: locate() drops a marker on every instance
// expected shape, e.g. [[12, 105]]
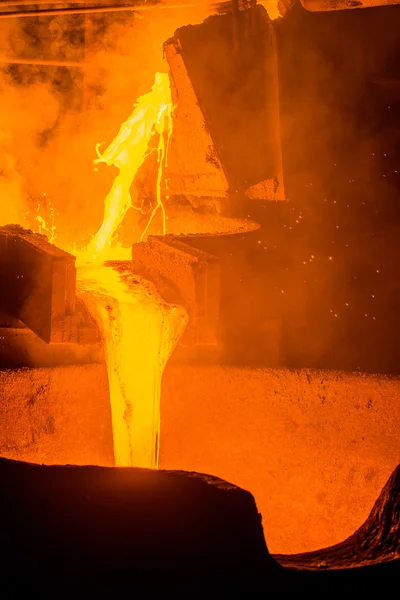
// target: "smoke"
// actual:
[[24, 117], [52, 117], [340, 161]]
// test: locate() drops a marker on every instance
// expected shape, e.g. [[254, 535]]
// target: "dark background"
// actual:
[[334, 248]]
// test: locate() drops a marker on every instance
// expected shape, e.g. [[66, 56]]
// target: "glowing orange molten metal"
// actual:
[[139, 330], [128, 150]]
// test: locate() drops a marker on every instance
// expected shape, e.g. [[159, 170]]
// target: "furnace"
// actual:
[[198, 324]]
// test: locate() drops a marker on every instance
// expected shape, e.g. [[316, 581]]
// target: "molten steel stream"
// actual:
[[127, 152], [139, 330]]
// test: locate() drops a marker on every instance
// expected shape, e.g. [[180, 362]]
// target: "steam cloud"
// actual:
[[52, 117]]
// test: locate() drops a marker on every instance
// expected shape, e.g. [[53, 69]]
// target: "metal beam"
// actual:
[[43, 62], [55, 12]]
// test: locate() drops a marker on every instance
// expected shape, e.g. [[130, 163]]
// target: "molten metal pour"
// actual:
[[129, 149], [140, 331]]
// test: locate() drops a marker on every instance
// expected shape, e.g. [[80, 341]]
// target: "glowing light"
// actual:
[[128, 150], [140, 332]]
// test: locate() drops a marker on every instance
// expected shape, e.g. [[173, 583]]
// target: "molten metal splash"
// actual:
[[46, 225], [140, 331], [128, 150]]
